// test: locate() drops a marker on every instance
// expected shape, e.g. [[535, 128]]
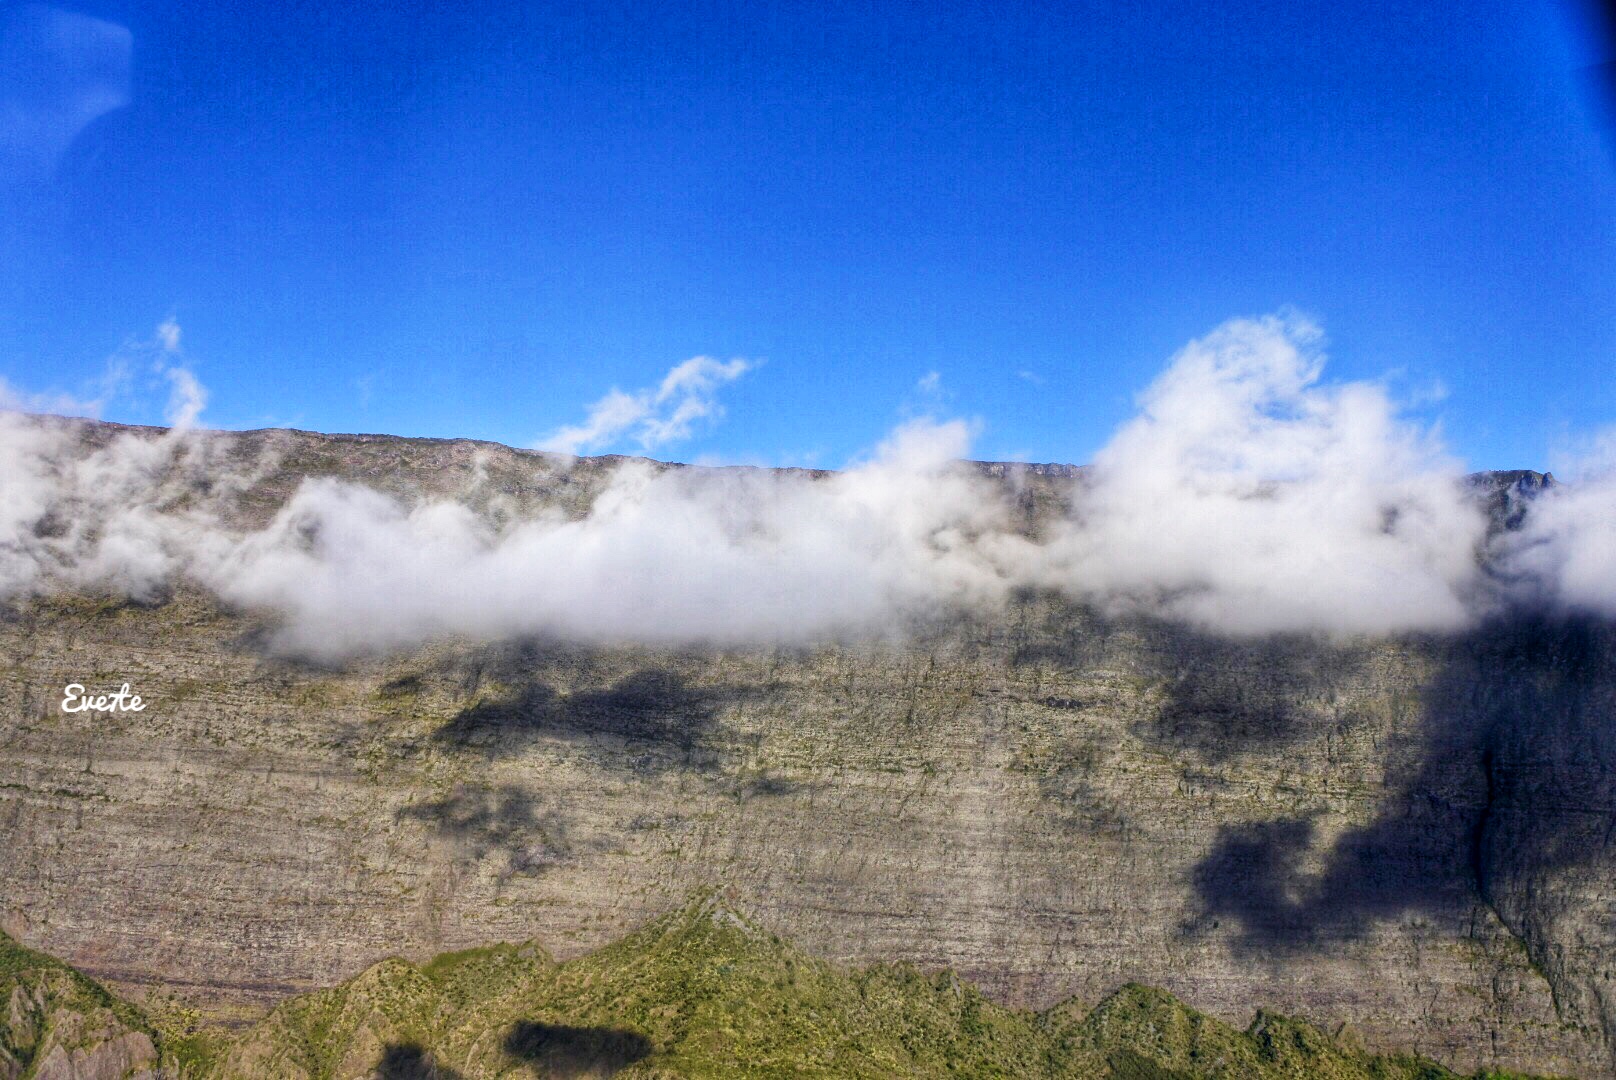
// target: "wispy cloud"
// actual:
[[16, 399], [59, 71], [655, 416], [186, 397], [168, 335], [930, 396], [121, 378]]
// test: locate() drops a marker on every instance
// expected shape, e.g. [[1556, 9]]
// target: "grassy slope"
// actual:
[[704, 993], [699, 993]]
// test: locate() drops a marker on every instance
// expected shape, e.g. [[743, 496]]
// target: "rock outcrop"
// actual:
[[58, 1025]]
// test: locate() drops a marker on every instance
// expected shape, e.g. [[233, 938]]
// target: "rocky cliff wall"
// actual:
[[1409, 837]]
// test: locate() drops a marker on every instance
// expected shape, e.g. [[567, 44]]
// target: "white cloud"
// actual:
[[1565, 551], [1247, 496], [168, 335], [652, 417], [721, 556]]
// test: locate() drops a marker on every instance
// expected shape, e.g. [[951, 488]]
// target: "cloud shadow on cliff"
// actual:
[[650, 705], [650, 720], [1041, 628], [565, 1051], [409, 1061], [1229, 696], [504, 819], [1222, 696], [1512, 775]]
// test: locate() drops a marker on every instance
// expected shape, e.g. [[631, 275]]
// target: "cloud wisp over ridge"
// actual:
[[655, 416], [1566, 548], [1246, 496]]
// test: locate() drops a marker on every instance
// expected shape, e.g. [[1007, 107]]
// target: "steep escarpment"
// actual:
[[1403, 836]]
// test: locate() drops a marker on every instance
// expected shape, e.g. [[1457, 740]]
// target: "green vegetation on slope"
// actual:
[[56, 1022], [704, 993], [699, 993]]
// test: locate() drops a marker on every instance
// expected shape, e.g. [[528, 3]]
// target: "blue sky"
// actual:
[[434, 220]]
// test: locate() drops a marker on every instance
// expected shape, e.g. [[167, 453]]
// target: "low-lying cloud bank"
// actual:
[[1247, 496], [729, 557]]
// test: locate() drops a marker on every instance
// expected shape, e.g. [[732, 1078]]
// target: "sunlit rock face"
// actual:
[[1405, 834]]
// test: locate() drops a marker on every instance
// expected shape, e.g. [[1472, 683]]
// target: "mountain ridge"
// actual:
[[700, 992], [1531, 478]]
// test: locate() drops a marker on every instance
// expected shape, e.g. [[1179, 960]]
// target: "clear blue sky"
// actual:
[[475, 219]]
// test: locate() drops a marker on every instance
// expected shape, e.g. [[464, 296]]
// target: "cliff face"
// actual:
[[1409, 837]]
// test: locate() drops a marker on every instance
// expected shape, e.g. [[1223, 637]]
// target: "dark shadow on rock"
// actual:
[[650, 705], [564, 1051], [1042, 628], [404, 686], [1414, 859], [770, 786], [505, 819], [1222, 696], [1070, 799], [408, 1061], [1227, 696], [260, 638], [1509, 781], [650, 720], [491, 723]]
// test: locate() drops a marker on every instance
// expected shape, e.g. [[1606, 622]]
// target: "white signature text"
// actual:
[[74, 699]]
